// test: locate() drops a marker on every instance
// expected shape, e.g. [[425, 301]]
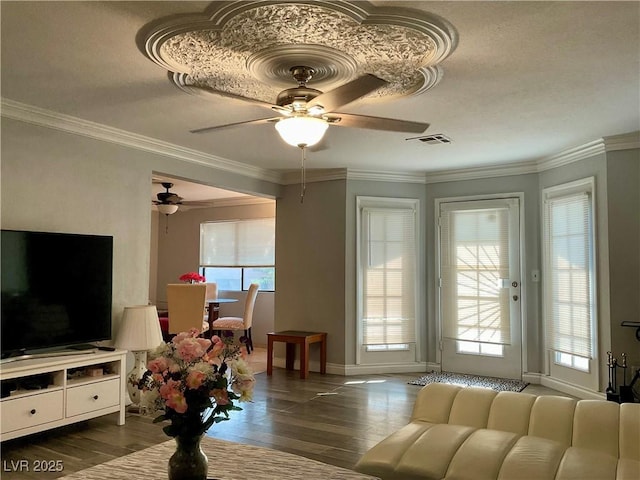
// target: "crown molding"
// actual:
[[381, 176], [572, 155], [42, 117], [240, 201], [325, 175], [626, 141], [520, 168], [312, 175], [67, 123]]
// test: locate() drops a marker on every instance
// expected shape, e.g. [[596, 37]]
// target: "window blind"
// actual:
[[389, 276], [569, 272], [238, 243], [475, 272]]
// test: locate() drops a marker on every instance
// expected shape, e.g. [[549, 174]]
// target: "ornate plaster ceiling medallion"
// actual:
[[247, 48]]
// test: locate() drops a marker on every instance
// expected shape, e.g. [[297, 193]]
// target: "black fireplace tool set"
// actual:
[[623, 394]]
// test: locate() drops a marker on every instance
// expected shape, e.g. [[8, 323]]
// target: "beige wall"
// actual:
[[310, 264], [623, 201]]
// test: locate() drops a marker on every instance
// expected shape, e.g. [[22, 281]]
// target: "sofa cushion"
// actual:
[[595, 426], [586, 464], [481, 455], [552, 418], [430, 455], [628, 469], [433, 403], [532, 458], [510, 412], [382, 458], [630, 432], [471, 407]]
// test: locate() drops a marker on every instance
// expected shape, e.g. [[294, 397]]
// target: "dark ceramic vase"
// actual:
[[189, 461]]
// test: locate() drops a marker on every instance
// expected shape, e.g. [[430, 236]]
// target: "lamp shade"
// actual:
[[167, 208], [140, 328], [302, 131]]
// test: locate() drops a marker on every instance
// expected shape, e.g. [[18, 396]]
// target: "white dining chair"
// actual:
[[241, 323]]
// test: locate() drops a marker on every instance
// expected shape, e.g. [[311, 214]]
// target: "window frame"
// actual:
[[237, 244], [411, 353], [584, 186]]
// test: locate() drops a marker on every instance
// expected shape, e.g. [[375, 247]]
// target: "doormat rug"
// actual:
[[464, 380]]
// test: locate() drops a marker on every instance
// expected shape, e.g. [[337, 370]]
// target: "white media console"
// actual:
[[57, 390]]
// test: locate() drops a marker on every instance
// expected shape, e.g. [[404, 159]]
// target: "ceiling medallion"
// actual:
[[247, 48]]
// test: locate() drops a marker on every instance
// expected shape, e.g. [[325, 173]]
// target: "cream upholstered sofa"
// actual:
[[473, 433]]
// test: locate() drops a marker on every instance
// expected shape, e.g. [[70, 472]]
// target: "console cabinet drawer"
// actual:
[[32, 410], [93, 396]]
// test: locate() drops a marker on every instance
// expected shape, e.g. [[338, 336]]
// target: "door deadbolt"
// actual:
[[514, 284]]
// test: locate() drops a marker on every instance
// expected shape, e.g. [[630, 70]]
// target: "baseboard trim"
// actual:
[[562, 386], [348, 370], [417, 367]]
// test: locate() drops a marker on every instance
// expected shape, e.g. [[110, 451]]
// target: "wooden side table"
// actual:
[[293, 338]]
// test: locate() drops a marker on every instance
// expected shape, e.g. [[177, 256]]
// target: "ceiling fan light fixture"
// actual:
[[302, 131], [167, 208]]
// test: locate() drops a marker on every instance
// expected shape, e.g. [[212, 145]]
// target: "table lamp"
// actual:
[[138, 333]]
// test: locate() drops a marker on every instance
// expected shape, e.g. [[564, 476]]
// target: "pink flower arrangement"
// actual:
[[192, 277], [195, 382]]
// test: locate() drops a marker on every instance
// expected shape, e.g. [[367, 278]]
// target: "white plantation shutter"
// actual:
[[389, 276], [569, 269], [238, 243], [475, 271]]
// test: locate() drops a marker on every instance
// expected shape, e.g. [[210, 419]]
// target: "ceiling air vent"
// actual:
[[432, 139]]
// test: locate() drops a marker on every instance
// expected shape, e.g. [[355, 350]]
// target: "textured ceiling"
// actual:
[[525, 80], [248, 48]]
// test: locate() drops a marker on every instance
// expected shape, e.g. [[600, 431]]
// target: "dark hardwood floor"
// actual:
[[330, 418]]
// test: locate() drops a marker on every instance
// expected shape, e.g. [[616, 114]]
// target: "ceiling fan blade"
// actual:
[[229, 125], [375, 123], [198, 89], [347, 93]]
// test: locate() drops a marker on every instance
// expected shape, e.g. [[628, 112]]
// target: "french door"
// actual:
[[479, 287]]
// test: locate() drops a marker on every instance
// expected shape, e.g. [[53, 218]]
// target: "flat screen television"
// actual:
[[56, 290]]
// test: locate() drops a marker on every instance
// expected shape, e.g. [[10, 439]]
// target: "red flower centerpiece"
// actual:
[[192, 277]]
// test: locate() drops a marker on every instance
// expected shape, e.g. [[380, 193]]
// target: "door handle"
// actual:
[[515, 298]]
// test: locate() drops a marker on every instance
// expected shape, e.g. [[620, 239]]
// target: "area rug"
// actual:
[[464, 380], [227, 461]]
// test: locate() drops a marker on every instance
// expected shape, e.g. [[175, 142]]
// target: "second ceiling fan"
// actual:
[[306, 113]]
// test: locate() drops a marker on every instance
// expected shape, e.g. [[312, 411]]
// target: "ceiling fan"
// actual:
[[308, 112], [169, 202]]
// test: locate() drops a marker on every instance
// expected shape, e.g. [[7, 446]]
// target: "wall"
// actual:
[[53, 181], [623, 210], [56, 181], [356, 188], [527, 184], [178, 252], [310, 266], [593, 167]]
